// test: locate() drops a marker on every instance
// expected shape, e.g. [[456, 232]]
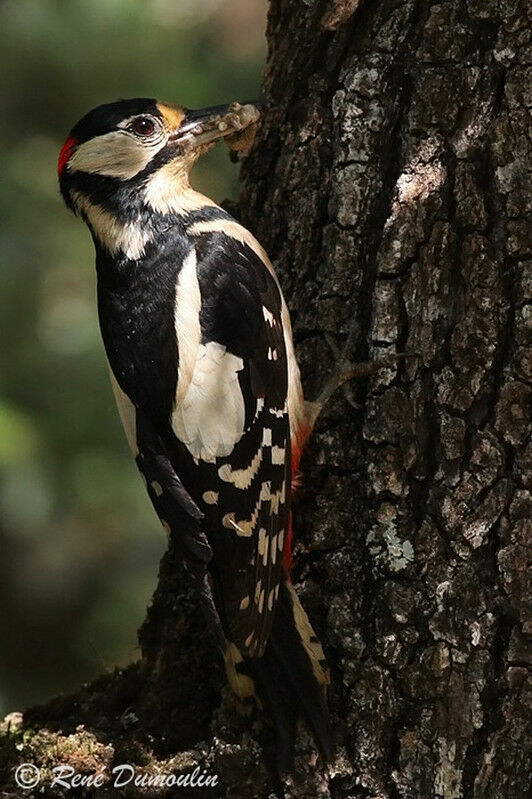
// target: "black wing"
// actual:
[[245, 494]]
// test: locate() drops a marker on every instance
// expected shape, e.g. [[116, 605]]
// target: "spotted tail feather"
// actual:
[[290, 679]]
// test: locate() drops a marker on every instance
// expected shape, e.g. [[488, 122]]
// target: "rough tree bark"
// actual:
[[388, 184]]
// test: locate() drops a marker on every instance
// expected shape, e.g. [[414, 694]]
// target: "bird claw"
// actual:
[[349, 396], [346, 370]]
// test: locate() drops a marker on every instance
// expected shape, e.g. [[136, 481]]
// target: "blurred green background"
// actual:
[[79, 542]]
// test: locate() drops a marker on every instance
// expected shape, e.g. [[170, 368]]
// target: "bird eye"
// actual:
[[143, 126]]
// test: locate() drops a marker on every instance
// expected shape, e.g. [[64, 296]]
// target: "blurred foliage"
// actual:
[[79, 541]]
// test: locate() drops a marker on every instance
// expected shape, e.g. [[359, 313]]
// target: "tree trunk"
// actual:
[[388, 186]]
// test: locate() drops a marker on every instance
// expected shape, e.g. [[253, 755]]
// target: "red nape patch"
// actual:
[[66, 152]]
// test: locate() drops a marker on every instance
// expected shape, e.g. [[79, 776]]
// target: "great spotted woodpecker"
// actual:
[[202, 364]]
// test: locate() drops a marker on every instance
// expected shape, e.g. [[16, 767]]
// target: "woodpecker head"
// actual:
[[131, 156]]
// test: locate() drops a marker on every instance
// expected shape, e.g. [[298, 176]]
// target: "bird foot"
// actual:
[[346, 370]]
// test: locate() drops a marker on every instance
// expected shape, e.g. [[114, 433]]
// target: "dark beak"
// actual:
[[216, 122]]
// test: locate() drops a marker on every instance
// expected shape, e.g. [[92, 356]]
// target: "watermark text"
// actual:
[[28, 776]]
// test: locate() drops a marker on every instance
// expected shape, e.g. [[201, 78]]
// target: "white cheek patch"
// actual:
[[115, 155], [210, 418], [129, 238]]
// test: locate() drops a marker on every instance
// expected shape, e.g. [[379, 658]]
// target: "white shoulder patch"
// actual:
[[187, 322], [296, 405], [209, 419]]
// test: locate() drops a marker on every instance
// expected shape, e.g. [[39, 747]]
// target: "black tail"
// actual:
[[291, 678]]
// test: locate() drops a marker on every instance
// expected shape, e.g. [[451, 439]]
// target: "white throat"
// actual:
[[169, 191]]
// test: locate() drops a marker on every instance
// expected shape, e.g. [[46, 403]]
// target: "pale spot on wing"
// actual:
[[210, 497], [157, 487], [271, 596], [273, 549], [308, 638], [239, 530], [242, 478], [244, 603], [242, 528], [268, 316], [262, 541], [261, 601], [281, 540], [241, 684], [276, 498], [278, 455]]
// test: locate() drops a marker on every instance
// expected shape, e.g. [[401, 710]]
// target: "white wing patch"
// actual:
[[296, 405], [209, 420]]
